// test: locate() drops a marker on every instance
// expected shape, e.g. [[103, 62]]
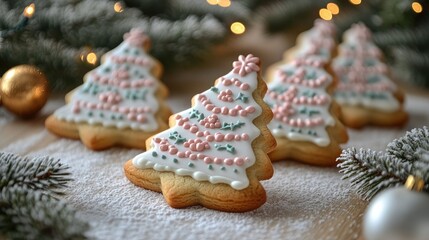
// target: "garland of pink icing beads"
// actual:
[[120, 82], [218, 137], [130, 59], [237, 110], [132, 113], [199, 146]]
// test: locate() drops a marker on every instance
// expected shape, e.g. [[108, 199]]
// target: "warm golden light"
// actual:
[[333, 8], [356, 2], [91, 58], [224, 3], [212, 2], [238, 28], [118, 7], [417, 7], [325, 14], [29, 10]]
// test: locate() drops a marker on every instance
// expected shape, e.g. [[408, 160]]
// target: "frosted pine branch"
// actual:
[[28, 214], [370, 172], [43, 173], [406, 148]]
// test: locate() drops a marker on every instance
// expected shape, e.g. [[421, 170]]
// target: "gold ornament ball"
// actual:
[[24, 90]]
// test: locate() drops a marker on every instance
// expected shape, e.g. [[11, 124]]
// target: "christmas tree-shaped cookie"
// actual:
[[305, 123], [365, 91], [121, 102], [215, 153], [316, 44]]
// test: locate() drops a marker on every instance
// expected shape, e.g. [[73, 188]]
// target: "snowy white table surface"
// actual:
[[304, 202]]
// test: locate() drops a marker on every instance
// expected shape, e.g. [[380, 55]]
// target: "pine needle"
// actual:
[[369, 171]]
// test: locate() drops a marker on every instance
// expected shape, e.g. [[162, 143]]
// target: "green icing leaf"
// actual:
[[242, 97], [177, 137], [196, 114], [228, 147], [231, 126]]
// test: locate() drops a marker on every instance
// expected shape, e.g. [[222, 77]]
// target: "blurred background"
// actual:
[[67, 38]]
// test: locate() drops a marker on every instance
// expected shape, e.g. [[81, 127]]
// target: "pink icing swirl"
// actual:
[[246, 65]]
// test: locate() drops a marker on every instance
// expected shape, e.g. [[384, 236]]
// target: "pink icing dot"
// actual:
[[194, 129], [229, 137], [227, 82], [244, 136], [233, 112], [186, 144], [237, 137], [181, 154], [206, 133], [188, 153], [76, 109], [250, 109], [217, 160], [239, 161], [224, 110], [201, 156], [210, 138], [210, 107], [244, 86], [200, 134], [124, 84], [173, 151], [131, 116], [237, 83], [141, 118], [163, 148], [193, 156], [216, 109], [201, 97], [208, 160], [246, 159], [157, 140], [200, 147], [228, 161], [186, 126], [219, 137], [242, 113], [92, 105]]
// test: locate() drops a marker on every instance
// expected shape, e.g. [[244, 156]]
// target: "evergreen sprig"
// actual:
[[28, 214], [370, 172], [29, 204], [42, 173]]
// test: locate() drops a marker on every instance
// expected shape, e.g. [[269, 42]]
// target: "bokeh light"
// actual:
[[325, 14], [238, 28]]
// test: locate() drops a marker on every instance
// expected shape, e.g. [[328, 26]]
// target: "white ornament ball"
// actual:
[[397, 214]]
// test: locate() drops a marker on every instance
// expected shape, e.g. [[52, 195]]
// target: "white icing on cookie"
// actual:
[[298, 98], [363, 77], [212, 141], [120, 93]]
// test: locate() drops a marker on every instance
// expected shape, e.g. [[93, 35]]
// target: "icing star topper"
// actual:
[[245, 65], [136, 37]]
